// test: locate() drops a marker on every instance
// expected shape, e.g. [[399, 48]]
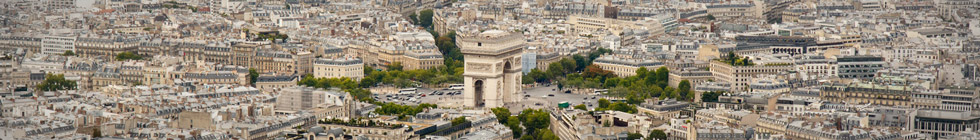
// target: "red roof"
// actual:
[[204, 9]]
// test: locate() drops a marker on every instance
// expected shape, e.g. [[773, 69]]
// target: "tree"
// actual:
[[57, 82], [656, 91], [633, 136], [252, 76], [555, 70], [68, 53], [731, 58], [580, 62], [620, 106], [515, 126], [568, 65], [395, 66], [546, 134], [538, 75], [711, 96], [534, 119], [711, 17], [128, 56], [593, 71], [459, 120], [603, 103], [425, 18], [414, 17], [667, 93], [657, 135], [662, 74], [642, 72], [582, 107], [684, 87], [502, 114]]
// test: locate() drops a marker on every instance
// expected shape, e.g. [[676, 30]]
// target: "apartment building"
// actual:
[[349, 67], [860, 67], [741, 76], [624, 67], [26, 42], [868, 93], [56, 45], [91, 46]]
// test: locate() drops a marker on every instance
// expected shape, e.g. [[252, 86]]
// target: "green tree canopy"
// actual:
[[581, 107], [68, 53], [128, 56], [425, 18], [252, 76], [56, 82], [657, 135], [459, 120]]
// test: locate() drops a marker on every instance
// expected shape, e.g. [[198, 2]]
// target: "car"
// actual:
[[593, 97], [423, 95], [537, 104], [551, 95], [586, 98], [568, 91], [525, 95], [590, 105], [387, 95]]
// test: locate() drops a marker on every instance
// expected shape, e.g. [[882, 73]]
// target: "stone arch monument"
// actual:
[[492, 68]]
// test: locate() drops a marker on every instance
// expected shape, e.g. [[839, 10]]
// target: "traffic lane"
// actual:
[[573, 99]]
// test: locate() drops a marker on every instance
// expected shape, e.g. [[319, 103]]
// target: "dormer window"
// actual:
[[479, 44]]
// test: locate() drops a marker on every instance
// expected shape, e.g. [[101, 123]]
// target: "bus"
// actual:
[[601, 91], [407, 91], [455, 87]]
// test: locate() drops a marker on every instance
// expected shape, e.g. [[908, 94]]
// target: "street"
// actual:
[[534, 98]]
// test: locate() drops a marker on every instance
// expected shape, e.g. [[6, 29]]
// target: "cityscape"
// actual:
[[490, 69]]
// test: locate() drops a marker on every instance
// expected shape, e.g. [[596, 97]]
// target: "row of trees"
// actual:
[[345, 84], [273, 38], [450, 52], [402, 111], [128, 56], [617, 106], [408, 78], [535, 123], [563, 67]]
